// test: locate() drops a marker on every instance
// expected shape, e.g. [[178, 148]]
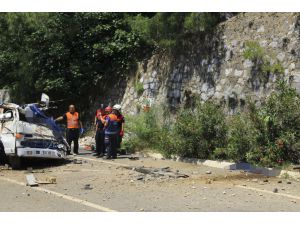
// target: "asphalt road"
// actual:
[[100, 185]]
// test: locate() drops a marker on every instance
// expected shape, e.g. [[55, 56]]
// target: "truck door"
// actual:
[[8, 130]]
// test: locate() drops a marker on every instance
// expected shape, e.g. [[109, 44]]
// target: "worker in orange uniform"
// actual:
[[111, 133], [74, 127]]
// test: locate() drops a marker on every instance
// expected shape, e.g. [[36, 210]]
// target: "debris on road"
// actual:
[[5, 167], [157, 172], [208, 181], [31, 181], [134, 158], [49, 180], [77, 161], [275, 190], [140, 178], [279, 182], [87, 187], [208, 172], [289, 182]]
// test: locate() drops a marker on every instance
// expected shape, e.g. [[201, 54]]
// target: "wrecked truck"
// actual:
[[26, 132]]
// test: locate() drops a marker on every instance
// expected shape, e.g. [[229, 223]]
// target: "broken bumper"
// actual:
[[40, 153]]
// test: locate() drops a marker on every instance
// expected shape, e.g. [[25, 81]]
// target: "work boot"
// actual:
[[100, 155]]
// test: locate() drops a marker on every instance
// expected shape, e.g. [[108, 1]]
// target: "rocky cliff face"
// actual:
[[213, 66]]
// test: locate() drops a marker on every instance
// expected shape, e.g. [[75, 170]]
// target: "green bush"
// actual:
[[267, 136], [242, 138], [142, 129], [253, 51], [262, 63], [278, 126], [201, 131], [139, 88]]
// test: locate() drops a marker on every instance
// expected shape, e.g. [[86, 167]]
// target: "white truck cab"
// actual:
[[20, 138]]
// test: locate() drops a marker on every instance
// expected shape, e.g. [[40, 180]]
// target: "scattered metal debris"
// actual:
[[31, 181], [157, 172], [87, 187], [133, 158], [77, 161]]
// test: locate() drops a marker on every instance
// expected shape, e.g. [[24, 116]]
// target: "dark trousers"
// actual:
[[111, 145], [119, 140], [100, 146], [73, 136]]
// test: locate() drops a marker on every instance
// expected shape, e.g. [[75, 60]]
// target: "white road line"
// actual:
[[67, 197], [268, 192], [101, 161]]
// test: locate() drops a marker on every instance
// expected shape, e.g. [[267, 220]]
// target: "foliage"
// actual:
[[143, 129], [242, 138], [277, 124], [253, 51], [201, 130], [68, 55], [196, 133], [267, 136], [167, 30], [139, 88], [262, 63]]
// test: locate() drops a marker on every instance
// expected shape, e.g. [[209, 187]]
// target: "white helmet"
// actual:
[[117, 107]]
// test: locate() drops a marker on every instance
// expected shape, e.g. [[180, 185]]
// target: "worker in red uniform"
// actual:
[[74, 127]]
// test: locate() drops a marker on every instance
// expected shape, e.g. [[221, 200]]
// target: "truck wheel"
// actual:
[[15, 162], [3, 158]]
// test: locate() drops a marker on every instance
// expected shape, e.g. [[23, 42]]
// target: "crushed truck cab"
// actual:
[[24, 137]]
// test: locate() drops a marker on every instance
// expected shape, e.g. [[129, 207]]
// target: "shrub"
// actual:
[[201, 131], [142, 129], [278, 126], [267, 136], [253, 51], [242, 137], [262, 63], [139, 88]]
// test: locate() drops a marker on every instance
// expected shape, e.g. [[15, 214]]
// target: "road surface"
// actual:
[[93, 184]]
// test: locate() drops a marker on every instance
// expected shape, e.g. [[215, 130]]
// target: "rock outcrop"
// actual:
[[213, 66]]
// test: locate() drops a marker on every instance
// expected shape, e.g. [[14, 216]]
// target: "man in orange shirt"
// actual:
[[74, 127]]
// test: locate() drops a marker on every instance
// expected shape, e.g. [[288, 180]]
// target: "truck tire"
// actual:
[[15, 162], [3, 158]]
